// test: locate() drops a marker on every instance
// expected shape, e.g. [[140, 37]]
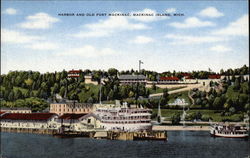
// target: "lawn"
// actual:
[[181, 95], [90, 90], [214, 114], [158, 90]]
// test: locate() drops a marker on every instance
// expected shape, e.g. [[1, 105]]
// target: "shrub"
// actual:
[[176, 119], [205, 118]]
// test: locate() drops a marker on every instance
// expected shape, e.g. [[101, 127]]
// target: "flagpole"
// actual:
[[137, 84]]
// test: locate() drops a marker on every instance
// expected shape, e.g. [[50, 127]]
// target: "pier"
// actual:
[[110, 135], [29, 130]]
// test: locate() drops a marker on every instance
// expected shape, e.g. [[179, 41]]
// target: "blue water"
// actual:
[[180, 144]]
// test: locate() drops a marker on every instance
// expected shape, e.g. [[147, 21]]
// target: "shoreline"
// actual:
[[180, 128]]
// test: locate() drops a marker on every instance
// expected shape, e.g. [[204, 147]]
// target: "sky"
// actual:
[[203, 35]]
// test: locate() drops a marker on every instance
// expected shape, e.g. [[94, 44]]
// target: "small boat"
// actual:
[[159, 135], [150, 138], [229, 131]]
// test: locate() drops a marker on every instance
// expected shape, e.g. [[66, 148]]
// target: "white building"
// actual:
[[180, 102], [29, 120], [79, 122], [70, 107], [132, 79], [16, 109]]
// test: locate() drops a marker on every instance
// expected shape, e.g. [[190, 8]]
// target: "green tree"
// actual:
[[198, 101], [228, 104], [131, 94], [11, 96], [44, 86], [62, 91], [237, 84], [165, 97], [175, 119], [123, 91], [154, 86], [111, 95], [29, 82], [217, 104], [232, 110], [243, 100], [112, 71], [90, 100], [36, 104], [18, 94], [18, 81]]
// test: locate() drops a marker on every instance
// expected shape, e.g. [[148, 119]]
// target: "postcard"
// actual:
[[118, 79]]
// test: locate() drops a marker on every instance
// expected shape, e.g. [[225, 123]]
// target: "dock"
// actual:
[[117, 135], [110, 135]]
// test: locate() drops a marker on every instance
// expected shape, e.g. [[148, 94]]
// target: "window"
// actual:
[[89, 120]]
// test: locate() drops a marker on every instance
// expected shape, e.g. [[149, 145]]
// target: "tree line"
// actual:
[[20, 85], [231, 96]]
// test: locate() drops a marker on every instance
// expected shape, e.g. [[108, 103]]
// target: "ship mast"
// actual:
[[100, 95], [159, 112], [137, 83]]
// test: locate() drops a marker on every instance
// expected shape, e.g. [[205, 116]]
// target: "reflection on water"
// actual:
[[179, 144]]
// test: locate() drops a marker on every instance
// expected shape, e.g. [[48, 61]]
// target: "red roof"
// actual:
[[214, 76], [188, 77], [185, 74], [1, 112], [74, 71], [74, 75], [71, 116], [169, 78], [28, 116]]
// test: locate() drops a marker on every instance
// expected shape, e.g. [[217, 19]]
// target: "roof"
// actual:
[[188, 77], [73, 75], [71, 116], [74, 71], [27, 116], [185, 74], [93, 115], [2, 112], [132, 77], [15, 108], [169, 78], [214, 76]]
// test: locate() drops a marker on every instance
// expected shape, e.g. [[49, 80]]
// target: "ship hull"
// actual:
[[214, 133], [229, 136]]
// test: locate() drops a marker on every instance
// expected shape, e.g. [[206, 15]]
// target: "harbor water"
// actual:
[[196, 144]]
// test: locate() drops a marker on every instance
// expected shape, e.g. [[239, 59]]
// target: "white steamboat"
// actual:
[[229, 131], [122, 118]]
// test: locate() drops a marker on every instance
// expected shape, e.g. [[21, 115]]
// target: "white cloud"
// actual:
[[240, 27], [147, 15], [42, 46], [27, 41], [109, 26], [116, 22], [142, 40], [88, 51], [210, 12], [10, 36], [182, 39], [10, 11], [39, 21], [192, 22], [97, 33], [171, 10], [220, 48]]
